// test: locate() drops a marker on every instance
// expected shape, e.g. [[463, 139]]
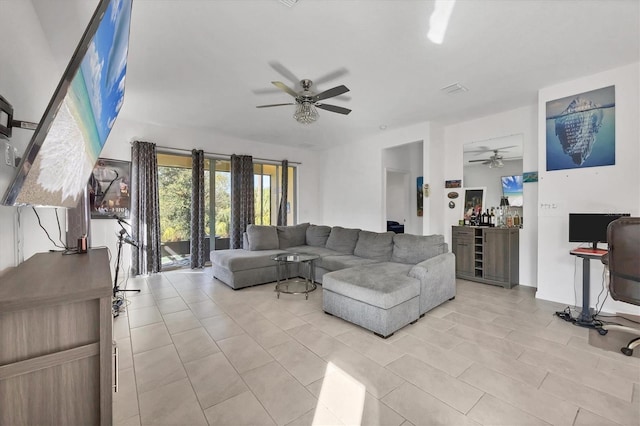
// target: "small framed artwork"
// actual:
[[473, 201], [453, 183], [109, 189], [530, 177], [420, 193]]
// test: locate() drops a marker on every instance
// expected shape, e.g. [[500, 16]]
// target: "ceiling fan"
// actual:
[[495, 161], [306, 101]]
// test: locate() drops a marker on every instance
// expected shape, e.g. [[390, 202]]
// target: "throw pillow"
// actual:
[[292, 236], [374, 245], [317, 235], [262, 237], [343, 240]]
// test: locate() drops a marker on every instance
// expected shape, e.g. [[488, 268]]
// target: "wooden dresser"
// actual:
[[55, 340]]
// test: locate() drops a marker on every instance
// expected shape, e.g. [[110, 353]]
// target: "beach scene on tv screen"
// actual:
[[63, 165], [512, 189]]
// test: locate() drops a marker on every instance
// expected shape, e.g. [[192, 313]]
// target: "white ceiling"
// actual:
[[208, 63]]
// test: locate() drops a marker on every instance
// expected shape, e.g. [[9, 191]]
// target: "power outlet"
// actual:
[[9, 156]]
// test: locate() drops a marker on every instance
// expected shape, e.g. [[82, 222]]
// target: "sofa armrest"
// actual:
[[437, 277]]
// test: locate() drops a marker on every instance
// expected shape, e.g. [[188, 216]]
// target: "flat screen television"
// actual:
[[512, 189], [60, 156], [591, 227]]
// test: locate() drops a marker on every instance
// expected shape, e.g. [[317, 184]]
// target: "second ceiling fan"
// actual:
[[306, 101]]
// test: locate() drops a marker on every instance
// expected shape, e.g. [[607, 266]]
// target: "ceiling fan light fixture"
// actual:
[[306, 113]]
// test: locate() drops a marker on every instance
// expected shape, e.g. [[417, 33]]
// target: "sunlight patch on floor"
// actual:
[[341, 398]]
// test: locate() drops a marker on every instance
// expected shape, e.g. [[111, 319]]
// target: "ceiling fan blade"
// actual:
[[331, 76], [334, 108], [284, 87], [273, 105], [284, 71], [477, 161], [338, 90]]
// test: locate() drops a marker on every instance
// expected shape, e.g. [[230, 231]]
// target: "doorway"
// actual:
[[398, 196]]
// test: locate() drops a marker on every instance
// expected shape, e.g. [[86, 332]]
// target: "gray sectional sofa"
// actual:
[[380, 281]]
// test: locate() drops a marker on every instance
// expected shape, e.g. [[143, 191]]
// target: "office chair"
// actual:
[[623, 262]]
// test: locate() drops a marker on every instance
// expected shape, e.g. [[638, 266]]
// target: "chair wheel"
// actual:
[[602, 331], [626, 351]]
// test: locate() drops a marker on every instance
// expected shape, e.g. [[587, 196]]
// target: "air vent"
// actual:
[[454, 88], [289, 3]]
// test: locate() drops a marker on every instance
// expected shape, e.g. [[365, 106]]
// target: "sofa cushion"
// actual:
[[384, 285], [320, 251], [343, 240], [290, 236], [375, 245], [342, 261], [262, 237], [412, 249], [317, 235], [240, 260]]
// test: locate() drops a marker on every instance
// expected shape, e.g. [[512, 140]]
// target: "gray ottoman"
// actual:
[[380, 297]]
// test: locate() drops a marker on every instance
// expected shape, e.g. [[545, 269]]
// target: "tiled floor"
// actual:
[[193, 351]]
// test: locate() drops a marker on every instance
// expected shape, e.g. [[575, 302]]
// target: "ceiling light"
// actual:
[[305, 113], [439, 20]]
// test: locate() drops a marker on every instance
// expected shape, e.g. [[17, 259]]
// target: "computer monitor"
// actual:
[[591, 227]]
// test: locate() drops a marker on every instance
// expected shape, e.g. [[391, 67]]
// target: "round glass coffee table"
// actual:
[[304, 282]]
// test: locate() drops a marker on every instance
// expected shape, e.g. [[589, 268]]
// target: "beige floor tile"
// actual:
[[493, 411], [266, 333], [527, 398], [172, 304], [592, 377], [371, 346], [125, 401], [448, 361], [214, 379], [244, 353], [125, 354], [561, 351], [144, 316], [241, 410], [194, 344], [283, 319], [157, 367], [420, 408], [299, 361], [149, 337], [131, 421], [524, 372], [376, 379], [172, 404], [587, 418], [318, 341], [329, 324], [467, 308], [136, 301], [193, 295], [378, 413], [600, 403], [503, 346], [178, 322], [582, 344], [443, 340], [320, 415], [221, 327], [284, 398], [437, 322], [447, 389], [533, 329], [205, 309], [164, 292], [619, 369], [121, 327], [407, 423], [491, 328]]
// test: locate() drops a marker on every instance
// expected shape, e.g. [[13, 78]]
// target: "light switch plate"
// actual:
[[8, 154]]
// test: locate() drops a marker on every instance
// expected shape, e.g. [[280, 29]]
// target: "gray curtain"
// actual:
[[284, 190], [241, 197], [145, 210], [197, 209]]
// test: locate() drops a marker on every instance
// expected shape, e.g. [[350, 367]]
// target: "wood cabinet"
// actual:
[[487, 255], [55, 340]]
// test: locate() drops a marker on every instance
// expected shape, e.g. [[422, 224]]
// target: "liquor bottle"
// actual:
[[509, 220], [483, 219], [516, 220], [473, 218], [492, 218]]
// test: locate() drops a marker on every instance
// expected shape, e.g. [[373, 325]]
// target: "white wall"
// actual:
[[517, 121], [594, 189]]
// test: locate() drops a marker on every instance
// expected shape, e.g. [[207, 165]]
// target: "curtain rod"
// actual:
[[222, 155]]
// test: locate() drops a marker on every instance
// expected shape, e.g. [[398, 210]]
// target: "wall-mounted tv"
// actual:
[[59, 159], [591, 227], [512, 189]]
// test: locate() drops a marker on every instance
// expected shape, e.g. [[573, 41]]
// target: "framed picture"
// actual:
[[581, 130], [420, 194], [473, 201], [109, 189], [530, 177]]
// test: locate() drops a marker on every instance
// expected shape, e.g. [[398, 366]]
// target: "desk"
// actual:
[[586, 254]]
